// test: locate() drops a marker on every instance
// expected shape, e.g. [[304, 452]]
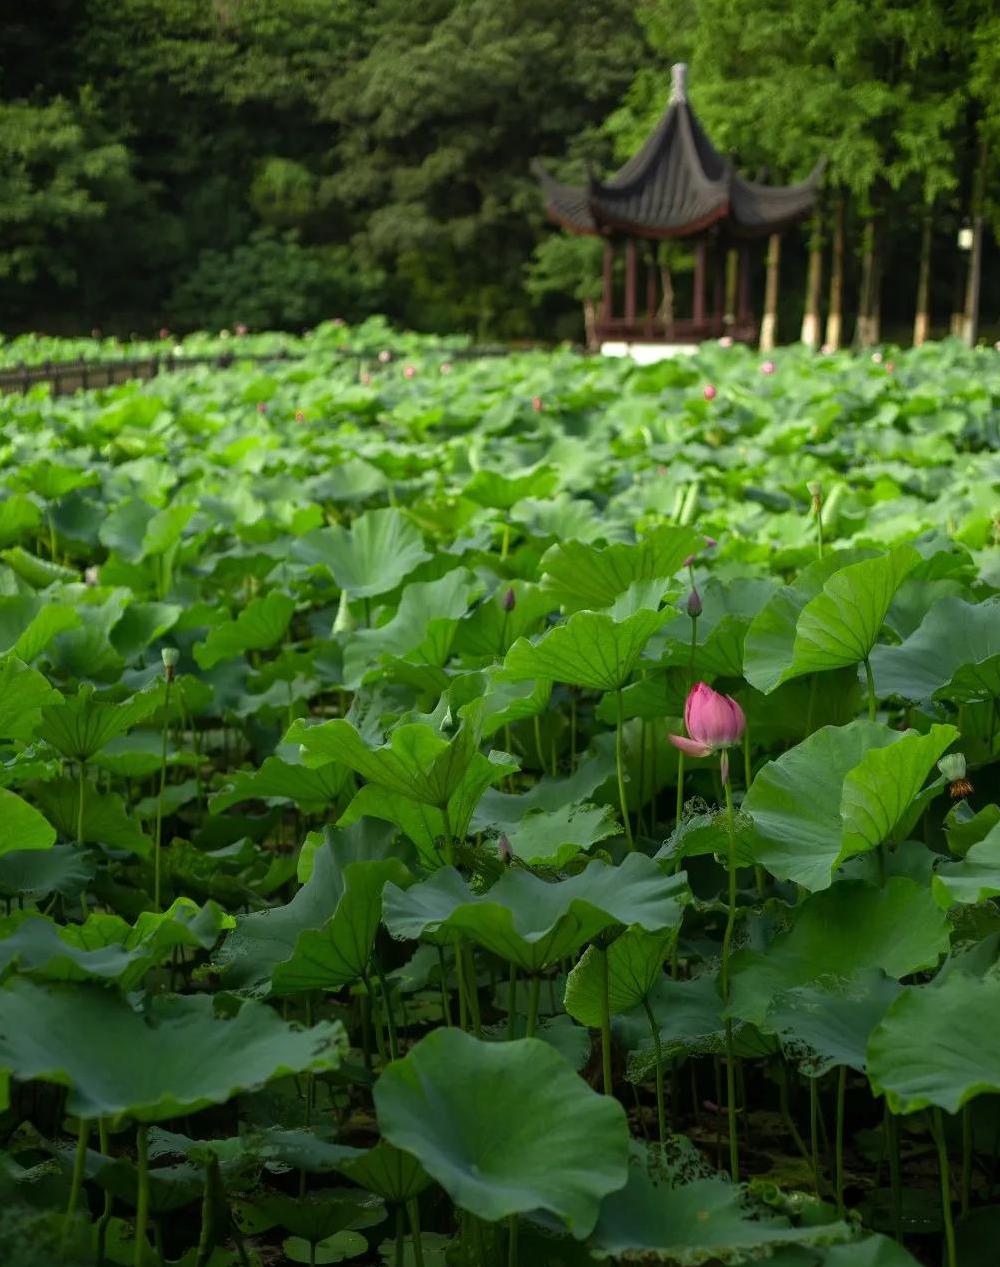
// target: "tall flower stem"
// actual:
[[533, 993], [606, 1025], [142, 1200], [839, 1139], [661, 1112], [79, 1167], [872, 699], [620, 767], [814, 1135], [734, 1143], [944, 1171], [413, 1211], [895, 1176], [157, 863], [512, 1003]]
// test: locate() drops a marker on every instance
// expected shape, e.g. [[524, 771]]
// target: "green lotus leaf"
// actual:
[[727, 610], [174, 1057], [500, 492], [838, 933], [62, 869], [105, 819], [504, 810], [533, 922], [24, 828], [827, 1025], [80, 725], [581, 576], [701, 1222], [28, 624], [141, 625], [633, 963], [973, 878], [318, 1215], [505, 1128], [954, 654], [322, 938], [938, 1044], [278, 779], [39, 573], [396, 1176], [19, 516], [552, 838], [380, 549], [260, 625], [841, 792], [594, 649]]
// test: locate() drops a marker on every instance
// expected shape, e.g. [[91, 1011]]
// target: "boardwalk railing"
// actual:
[[73, 376]]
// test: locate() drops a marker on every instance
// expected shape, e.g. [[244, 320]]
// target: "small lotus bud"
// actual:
[[445, 367], [365, 378], [537, 404], [694, 607], [91, 575], [509, 600], [827, 349], [726, 341], [709, 393], [505, 851], [300, 415], [338, 321], [261, 407], [164, 332], [241, 330], [890, 367], [169, 656], [385, 356], [815, 489], [410, 371], [768, 367]]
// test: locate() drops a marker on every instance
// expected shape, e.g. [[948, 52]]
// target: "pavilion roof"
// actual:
[[678, 185]]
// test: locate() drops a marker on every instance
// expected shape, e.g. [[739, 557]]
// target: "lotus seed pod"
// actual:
[[953, 766], [169, 656]]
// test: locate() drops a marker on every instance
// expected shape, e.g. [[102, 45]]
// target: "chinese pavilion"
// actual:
[[678, 186]]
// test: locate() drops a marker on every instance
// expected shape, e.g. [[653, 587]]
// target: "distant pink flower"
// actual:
[[410, 371], [445, 367], [261, 407], [164, 332], [709, 393], [240, 329], [662, 470], [710, 542], [713, 723], [366, 378], [537, 404], [300, 415], [338, 321], [726, 341], [768, 367], [385, 355], [890, 367]]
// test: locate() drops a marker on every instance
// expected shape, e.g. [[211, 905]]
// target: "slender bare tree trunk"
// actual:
[[811, 317], [922, 317], [769, 321], [970, 319], [866, 326], [835, 310]]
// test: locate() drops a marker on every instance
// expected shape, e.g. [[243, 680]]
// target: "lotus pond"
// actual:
[[358, 905]]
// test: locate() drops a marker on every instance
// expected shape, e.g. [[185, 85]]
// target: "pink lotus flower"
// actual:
[[537, 404], [713, 723], [300, 415], [768, 367], [445, 367], [338, 321], [410, 371], [261, 407], [366, 378], [890, 367], [164, 332], [726, 341], [240, 329], [709, 393]]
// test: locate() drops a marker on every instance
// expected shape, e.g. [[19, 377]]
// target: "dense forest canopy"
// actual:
[[183, 163]]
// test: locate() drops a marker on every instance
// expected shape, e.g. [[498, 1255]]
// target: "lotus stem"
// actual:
[[443, 974], [472, 985], [814, 1135], [606, 1025], [839, 1139], [872, 700], [895, 1179], [79, 1168], [449, 847], [399, 1258], [944, 1171], [512, 1003], [661, 1112], [463, 1011], [390, 1016], [680, 793], [413, 1211], [142, 1200], [966, 1160], [533, 996], [512, 1241], [734, 1143], [620, 768], [157, 868]]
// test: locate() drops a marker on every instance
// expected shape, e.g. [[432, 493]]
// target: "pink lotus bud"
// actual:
[[509, 600], [710, 542], [241, 330], [767, 368], [261, 407], [385, 356], [164, 332], [505, 851], [410, 371], [694, 607], [300, 415], [91, 576], [366, 378], [537, 404], [726, 341], [890, 367], [662, 470], [709, 393], [445, 367], [338, 321], [712, 722]]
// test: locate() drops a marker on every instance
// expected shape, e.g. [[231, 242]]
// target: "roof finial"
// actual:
[[678, 88]]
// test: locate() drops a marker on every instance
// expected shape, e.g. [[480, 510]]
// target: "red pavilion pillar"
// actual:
[[608, 285], [630, 282], [698, 303], [743, 313]]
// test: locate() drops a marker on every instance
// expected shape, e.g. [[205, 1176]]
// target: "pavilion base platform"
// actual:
[[647, 353]]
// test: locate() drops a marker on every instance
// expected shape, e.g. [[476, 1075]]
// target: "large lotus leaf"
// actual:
[[633, 964], [594, 649], [28, 624], [278, 779], [174, 1057], [422, 629], [500, 492], [82, 724], [62, 869], [841, 792], [965, 827], [504, 810], [974, 878], [839, 933], [581, 576], [828, 1024], [706, 1221], [85, 651], [505, 1128], [533, 922], [105, 818], [504, 700], [417, 762], [23, 691], [321, 1214], [379, 550], [23, 826], [394, 1175], [552, 838], [142, 624], [770, 640], [322, 938], [938, 1044], [727, 610], [19, 515], [39, 573], [261, 624], [954, 654]]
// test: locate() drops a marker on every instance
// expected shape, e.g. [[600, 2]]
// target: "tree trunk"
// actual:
[[814, 284], [835, 310], [590, 324], [922, 317], [866, 326], [970, 320], [769, 321]]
